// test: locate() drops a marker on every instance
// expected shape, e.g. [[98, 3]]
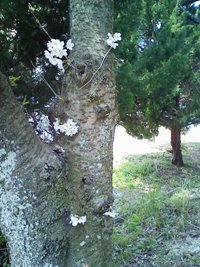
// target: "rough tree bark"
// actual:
[[36, 196], [91, 104], [176, 146], [177, 158], [32, 191]]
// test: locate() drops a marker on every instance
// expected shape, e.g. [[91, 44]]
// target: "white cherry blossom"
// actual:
[[43, 123], [56, 47], [117, 36], [82, 220], [56, 51], [112, 213], [111, 41], [75, 220], [69, 44], [69, 128]]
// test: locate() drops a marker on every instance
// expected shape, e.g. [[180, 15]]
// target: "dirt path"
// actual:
[[125, 144]]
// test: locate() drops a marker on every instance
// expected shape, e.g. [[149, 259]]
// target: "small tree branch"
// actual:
[[100, 66], [186, 2]]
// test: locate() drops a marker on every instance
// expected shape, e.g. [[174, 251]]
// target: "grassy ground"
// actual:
[[159, 211]]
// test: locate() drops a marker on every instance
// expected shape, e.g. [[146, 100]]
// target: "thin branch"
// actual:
[[100, 66], [3, 249], [187, 2], [47, 84], [193, 18], [37, 20], [190, 16]]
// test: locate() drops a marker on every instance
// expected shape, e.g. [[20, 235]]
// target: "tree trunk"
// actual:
[[176, 147], [36, 198], [91, 104], [32, 191]]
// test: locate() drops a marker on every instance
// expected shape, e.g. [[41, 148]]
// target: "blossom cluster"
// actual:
[[111, 41], [42, 126], [112, 214], [69, 128], [75, 220], [43, 123], [56, 51]]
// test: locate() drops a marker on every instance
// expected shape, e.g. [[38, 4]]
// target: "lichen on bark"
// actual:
[[32, 210], [44, 199]]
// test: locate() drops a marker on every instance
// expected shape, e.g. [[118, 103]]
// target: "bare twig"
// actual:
[[47, 84], [100, 66], [37, 20]]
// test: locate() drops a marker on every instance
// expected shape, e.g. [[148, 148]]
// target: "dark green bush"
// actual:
[[4, 255]]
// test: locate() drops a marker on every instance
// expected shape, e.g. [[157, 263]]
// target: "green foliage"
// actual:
[[4, 257], [158, 76], [13, 80]]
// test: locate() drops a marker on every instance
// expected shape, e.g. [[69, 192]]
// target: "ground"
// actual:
[[158, 204]]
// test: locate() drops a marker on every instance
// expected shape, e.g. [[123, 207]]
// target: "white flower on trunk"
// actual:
[[70, 45], [56, 125], [82, 243], [43, 123], [117, 36], [82, 219], [112, 213], [54, 60], [56, 52], [69, 128], [111, 41], [75, 220], [56, 47]]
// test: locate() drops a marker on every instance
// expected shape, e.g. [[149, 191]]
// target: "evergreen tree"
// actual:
[[161, 72]]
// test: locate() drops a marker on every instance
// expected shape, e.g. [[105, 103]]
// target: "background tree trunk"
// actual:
[[32, 191], [176, 147], [92, 107]]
